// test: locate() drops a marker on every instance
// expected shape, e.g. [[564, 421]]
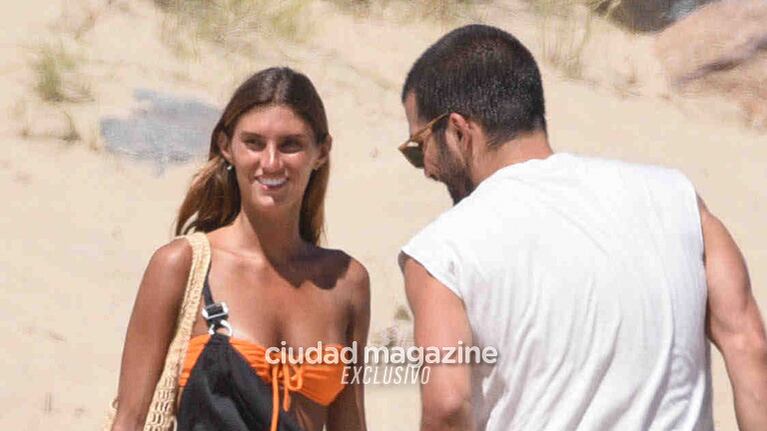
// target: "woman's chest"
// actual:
[[268, 309]]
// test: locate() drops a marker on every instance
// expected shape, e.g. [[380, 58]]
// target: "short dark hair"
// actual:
[[484, 73]]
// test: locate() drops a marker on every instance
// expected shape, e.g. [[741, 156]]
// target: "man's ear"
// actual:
[[325, 147], [463, 132]]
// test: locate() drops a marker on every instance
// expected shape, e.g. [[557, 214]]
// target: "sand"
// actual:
[[79, 224]]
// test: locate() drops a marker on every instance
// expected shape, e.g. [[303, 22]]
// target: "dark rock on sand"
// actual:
[[166, 129], [650, 15]]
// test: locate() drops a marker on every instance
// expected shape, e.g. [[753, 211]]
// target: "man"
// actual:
[[592, 278]]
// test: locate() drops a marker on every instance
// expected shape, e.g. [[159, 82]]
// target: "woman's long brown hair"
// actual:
[[213, 199]]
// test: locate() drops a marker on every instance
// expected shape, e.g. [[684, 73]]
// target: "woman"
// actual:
[[259, 199]]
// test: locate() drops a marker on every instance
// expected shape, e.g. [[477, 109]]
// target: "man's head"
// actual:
[[484, 88]]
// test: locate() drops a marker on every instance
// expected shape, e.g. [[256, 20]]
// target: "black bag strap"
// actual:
[[207, 295], [215, 313]]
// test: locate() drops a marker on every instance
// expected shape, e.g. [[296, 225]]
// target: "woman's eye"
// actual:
[[254, 144], [291, 146]]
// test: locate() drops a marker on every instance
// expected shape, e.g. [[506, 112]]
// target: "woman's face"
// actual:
[[274, 152]]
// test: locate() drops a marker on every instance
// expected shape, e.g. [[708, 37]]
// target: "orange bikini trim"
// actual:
[[320, 383]]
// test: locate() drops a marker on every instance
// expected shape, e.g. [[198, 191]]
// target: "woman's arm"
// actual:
[[150, 330], [347, 412]]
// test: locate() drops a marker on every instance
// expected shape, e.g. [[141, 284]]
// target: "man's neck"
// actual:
[[518, 150]]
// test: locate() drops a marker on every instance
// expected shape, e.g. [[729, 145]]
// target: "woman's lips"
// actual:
[[271, 183]]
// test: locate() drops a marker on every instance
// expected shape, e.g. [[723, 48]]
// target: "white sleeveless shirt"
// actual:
[[587, 276]]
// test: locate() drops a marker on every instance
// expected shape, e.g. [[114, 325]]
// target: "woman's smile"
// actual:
[[271, 183]]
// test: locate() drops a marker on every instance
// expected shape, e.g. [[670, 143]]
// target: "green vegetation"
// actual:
[[402, 314], [566, 28], [232, 23], [56, 75], [444, 11]]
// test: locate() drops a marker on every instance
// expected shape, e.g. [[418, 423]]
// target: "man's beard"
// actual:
[[452, 172]]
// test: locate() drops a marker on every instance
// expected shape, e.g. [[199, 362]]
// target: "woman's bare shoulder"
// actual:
[[348, 271], [168, 270], [175, 256], [352, 282]]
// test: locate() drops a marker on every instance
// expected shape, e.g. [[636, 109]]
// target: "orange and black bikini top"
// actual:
[[320, 383]]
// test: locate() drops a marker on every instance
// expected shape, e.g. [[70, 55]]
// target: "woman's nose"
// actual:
[[272, 160]]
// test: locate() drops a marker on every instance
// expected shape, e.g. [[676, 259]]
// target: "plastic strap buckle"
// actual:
[[216, 315]]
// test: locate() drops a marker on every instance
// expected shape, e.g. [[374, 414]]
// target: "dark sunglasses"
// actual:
[[412, 149]]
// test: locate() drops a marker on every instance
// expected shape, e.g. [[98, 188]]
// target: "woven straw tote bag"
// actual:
[[160, 416]]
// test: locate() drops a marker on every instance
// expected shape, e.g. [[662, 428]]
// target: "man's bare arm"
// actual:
[[735, 325], [440, 321]]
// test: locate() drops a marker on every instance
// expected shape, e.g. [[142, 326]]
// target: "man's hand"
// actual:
[[440, 321], [734, 322]]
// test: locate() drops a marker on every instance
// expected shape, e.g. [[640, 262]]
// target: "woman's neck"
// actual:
[[275, 236]]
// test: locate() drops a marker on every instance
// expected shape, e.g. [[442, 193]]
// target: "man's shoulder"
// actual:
[[625, 168], [644, 166], [463, 215]]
